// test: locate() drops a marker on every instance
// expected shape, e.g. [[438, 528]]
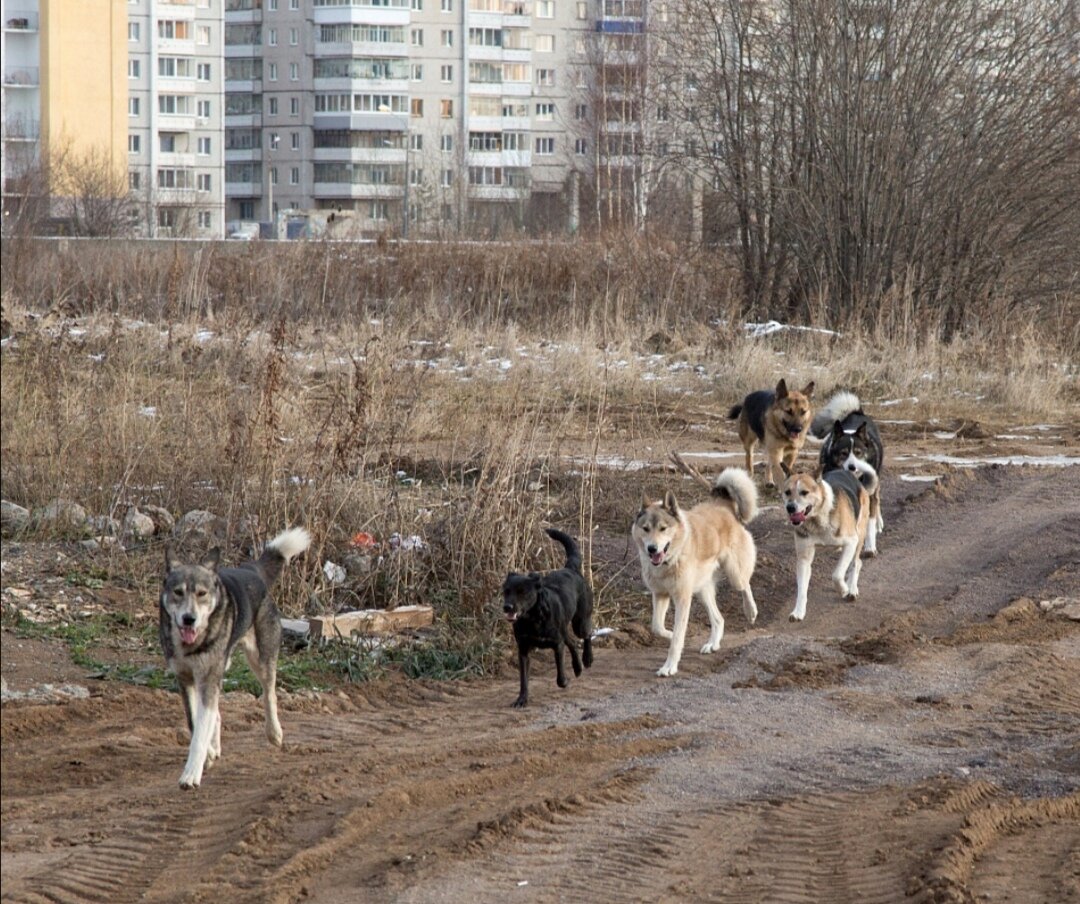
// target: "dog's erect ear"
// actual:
[[784, 467], [837, 429], [211, 559], [861, 432], [171, 561], [819, 469], [781, 389], [808, 390], [645, 500], [671, 503]]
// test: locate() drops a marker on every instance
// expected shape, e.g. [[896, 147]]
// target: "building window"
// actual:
[[271, 5], [446, 143], [166, 217], [205, 220], [545, 112], [417, 72], [294, 106], [202, 34], [294, 4], [545, 9], [133, 31], [247, 210], [446, 73], [416, 106], [447, 178], [545, 78], [271, 37], [446, 6], [204, 72], [133, 106], [294, 176], [447, 37], [417, 6], [204, 109], [133, 69], [134, 180], [416, 142], [545, 43], [417, 37], [294, 140], [294, 37], [379, 210], [446, 108], [204, 147], [273, 72], [273, 106], [174, 30], [580, 146], [134, 144], [203, 182], [545, 147], [174, 104], [273, 174], [167, 143], [174, 178], [416, 176], [582, 9], [294, 72]]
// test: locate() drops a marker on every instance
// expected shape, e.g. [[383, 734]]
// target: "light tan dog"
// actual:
[[779, 421], [681, 551], [827, 510]]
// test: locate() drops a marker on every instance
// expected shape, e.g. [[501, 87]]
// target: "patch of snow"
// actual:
[[921, 478], [1046, 461], [889, 402], [757, 330], [147, 411]]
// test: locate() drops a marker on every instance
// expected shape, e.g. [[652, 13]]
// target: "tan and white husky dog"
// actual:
[[830, 509], [682, 549]]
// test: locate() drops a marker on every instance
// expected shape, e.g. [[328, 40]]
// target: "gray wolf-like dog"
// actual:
[[204, 612]]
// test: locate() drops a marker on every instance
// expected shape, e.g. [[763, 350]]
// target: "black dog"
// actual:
[[543, 607]]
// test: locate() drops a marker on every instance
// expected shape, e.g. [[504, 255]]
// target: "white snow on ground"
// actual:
[[757, 330]]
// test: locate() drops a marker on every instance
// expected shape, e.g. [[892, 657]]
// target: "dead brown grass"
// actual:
[[464, 395]]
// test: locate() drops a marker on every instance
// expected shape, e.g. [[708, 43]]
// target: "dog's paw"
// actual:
[[667, 671], [520, 703], [850, 597], [869, 553], [795, 617], [663, 632], [711, 647], [274, 737], [188, 782]]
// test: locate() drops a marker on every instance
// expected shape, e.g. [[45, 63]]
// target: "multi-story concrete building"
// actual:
[[64, 89], [418, 115], [175, 106]]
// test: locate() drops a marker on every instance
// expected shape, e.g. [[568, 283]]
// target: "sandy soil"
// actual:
[[922, 744]]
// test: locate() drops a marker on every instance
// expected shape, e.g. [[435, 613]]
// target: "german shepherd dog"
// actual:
[[778, 420], [681, 551], [852, 443], [543, 607], [830, 509], [204, 612]]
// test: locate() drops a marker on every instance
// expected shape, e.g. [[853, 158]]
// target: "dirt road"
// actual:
[[922, 744]]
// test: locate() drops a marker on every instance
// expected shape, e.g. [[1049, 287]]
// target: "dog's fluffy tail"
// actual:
[[866, 475], [737, 486], [734, 412], [836, 409], [285, 546], [573, 553]]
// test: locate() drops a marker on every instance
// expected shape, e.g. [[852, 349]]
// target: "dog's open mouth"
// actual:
[[510, 616], [188, 636], [657, 558], [798, 518], [794, 429]]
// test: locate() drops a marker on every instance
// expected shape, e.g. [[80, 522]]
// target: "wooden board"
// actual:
[[371, 621]]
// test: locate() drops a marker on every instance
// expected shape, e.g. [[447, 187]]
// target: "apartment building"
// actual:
[[175, 106], [417, 115], [64, 88]]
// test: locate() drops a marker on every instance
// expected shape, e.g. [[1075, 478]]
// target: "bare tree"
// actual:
[[89, 190]]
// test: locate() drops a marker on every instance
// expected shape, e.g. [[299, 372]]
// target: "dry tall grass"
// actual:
[[466, 395]]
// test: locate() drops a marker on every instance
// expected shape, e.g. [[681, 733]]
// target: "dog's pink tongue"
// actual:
[[797, 517], [188, 635], [656, 558]]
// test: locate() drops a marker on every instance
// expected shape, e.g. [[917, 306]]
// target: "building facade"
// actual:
[[175, 107]]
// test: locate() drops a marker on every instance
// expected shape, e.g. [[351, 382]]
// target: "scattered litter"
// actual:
[[758, 330], [147, 411], [334, 573], [363, 540], [603, 632], [411, 543], [523, 883]]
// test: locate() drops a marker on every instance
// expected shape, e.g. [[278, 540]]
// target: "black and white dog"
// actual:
[[852, 443], [204, 612], [543, 608]]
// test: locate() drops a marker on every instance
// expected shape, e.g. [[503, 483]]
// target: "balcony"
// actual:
[[21, 21], [21, 76], [22, 128], [357, 190]]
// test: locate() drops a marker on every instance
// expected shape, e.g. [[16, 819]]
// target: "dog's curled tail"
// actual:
[[734, 412], [285, 546], [737, 486], [573, 553], [836, 409], [867, 476]]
